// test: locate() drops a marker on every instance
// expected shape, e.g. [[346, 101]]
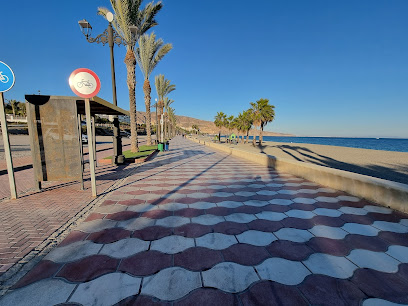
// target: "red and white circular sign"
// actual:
[[84, 83]]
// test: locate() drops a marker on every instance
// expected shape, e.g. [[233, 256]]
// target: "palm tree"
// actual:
[[230, 123], [14, 106], [166, 104], [149, 53], [247, 122], [163, 88], [220, 122], [173, 120], [263, 113], [128, 13]]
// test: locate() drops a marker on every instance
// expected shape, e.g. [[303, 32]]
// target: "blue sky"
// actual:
[[331, 68]]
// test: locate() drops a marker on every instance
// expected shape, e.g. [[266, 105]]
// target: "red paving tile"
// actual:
[[188, 258]]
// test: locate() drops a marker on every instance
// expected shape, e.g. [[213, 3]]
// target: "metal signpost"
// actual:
[[86, 84], [6, 83]]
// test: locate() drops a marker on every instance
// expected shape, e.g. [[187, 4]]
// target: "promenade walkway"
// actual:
[[198, 227]]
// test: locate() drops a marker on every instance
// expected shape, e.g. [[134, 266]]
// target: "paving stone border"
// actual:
[[24, 265], [383, 192]]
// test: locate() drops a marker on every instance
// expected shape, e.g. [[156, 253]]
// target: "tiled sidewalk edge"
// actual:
[[23, 266]]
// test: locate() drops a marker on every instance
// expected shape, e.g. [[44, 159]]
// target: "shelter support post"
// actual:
[[7, 151], [94, 140], [90, 146], [81, 151]]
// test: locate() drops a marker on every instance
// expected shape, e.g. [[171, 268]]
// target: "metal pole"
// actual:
[[117, 141], [7, 151], [90, 146], [157, 126], [161, 134]]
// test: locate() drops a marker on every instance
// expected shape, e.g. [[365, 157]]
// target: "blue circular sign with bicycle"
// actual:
[[6, 77]]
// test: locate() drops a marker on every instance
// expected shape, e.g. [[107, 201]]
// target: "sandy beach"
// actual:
[[387, 165]]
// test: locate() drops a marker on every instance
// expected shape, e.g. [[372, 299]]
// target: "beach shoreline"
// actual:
[[388, 165]]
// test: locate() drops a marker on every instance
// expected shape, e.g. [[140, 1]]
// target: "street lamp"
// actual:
[[111, 37]]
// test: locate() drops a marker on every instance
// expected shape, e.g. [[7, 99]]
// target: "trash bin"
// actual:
[[160, 147], [167, 146]]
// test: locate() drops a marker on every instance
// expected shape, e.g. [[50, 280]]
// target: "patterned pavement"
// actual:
[[197, 227]]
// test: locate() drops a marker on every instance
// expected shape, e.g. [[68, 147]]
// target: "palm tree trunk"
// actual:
[[130, 63], [260, 134], [147, 90]]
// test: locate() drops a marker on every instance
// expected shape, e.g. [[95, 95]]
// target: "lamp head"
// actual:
[[85, 26], [109, 16]]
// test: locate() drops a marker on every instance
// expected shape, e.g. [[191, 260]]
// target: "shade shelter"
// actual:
[[54, 124]]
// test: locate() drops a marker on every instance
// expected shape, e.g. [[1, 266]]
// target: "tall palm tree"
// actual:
[[173, 120], [166, 104], [247, 122], [149, 53], [163, 88], [128, 13], [263, 113], [220, 122]]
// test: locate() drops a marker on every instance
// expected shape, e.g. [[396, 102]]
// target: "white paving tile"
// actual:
[[222, 194], [334, 266], [360, 229], [304, 200], [283, 271], [274, 185], [110, 209], [171, 283], [245, 193], [378, 209], [125, 247], [301, 214], [348, 198], [271, 216], [44, 292], [229, 204], [106, 290], [141, 207], [198, 195], [240, 218], [283, 202], [404, 222], [284, 191], [172, 244], [216, 241], [327, 190], [267, 192], [380, 302], [73, 251], [96, 225], [172, 221], [137, 223], [207, 219], [374, 260], [229, 277], [328, 232], [353, 211], [172, 206], [390, 227], [327, 199], [308, 191], [293, 234], [327, 212], [256, 203], [256, 238], [399, 252], [202, 205]]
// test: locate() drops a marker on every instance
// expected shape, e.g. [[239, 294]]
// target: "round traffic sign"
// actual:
[[6, 77], [84, 83]]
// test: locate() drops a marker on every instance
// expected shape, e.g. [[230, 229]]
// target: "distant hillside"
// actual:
[[204, 126]]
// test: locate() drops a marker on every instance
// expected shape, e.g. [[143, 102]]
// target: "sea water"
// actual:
[[385, 144]]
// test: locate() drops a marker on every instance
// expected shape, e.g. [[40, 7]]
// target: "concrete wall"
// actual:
[[383, 192]]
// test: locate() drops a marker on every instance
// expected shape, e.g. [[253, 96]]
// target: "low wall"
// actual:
[[386, 193]]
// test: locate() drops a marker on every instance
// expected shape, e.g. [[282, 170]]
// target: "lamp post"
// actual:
[[111, 37]]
